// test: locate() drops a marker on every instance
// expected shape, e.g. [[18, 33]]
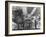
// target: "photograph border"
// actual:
[[6, 18]]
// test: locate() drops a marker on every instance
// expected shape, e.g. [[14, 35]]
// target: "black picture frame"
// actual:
[[6, 18]]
